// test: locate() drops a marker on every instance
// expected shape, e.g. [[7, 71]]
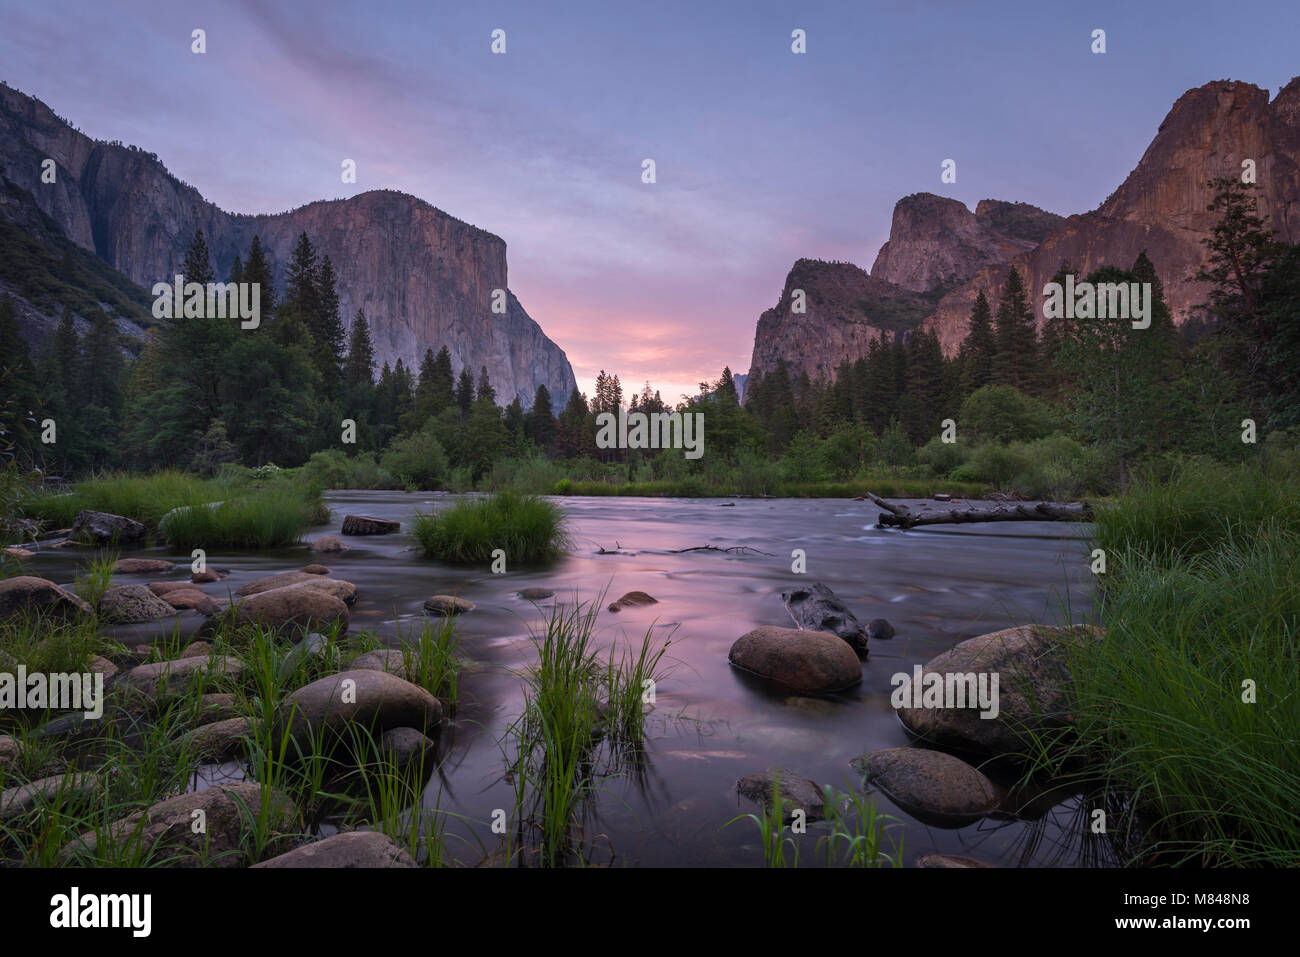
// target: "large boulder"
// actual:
[[102, 528], [369, 849], [132, 604], [366, 525], [293, 612], [934, 787], [390, 660], [9, 751], [167, 832], [796, 793], [375, 700], [160, 680], [26, 593], [345, 592], [816, 608], [1034, 696], [808, 662]]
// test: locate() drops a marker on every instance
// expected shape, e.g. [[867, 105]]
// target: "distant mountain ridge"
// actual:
[[940, 251], [423, 278]]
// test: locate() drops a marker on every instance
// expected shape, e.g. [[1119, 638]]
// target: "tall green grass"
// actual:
[[144, 498], [526, 528], [265, 518], [1201, 606]]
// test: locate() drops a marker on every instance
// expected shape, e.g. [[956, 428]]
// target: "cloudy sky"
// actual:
[[763, 156]]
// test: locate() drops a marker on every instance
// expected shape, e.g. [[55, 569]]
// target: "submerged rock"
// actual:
[[934, 787], [796, 793], [632, 599], [1034, 689], [368, 849], [536, 594], [315, 570], [948, 860], [142, 566], [816, 608], [25, 593], [366, 525], [330, 545], [132, 604], [408, 748], [447, 605], [206, 577], [101, 528], [880, 630], [808, 662]]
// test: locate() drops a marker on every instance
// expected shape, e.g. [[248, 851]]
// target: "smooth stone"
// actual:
[[163, 589], [880, 630], [292, 612], [934, 787], [216, 707], [159, 680], [807, 662], [375, 700], [272, 582], [315, 570], [367, 849], [447, 605], [633, 599], [219, 740], [389, 660], [948, 861], [105, 667], [1034, 689], [535, 594], [9, 750], [184, 599], [407, 747], [26, 593], [796, 793], [142, 566], [330, 545], [196, 649]]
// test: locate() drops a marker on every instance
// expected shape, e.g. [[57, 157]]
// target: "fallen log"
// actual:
[[900, 516]]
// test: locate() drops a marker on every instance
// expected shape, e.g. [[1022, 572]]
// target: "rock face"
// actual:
[[423, 278], [1032, 664], [844, 310], [937, 242], [1161, 205], [367, 849], [808, 662], [26, 593], [933, 787]]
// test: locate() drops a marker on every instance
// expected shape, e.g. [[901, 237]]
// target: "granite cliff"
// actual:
[[423, 278]]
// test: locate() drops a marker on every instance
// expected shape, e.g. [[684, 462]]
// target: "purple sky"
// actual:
[[763, 156]]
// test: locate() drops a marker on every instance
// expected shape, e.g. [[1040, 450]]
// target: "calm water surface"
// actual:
[[711, 724]]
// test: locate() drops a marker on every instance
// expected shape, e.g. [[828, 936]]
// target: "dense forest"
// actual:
[[1064, 410]]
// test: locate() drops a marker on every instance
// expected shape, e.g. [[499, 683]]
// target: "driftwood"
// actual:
[[897, 515], [739, 549]]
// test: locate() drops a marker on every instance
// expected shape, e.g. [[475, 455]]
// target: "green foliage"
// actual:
[[1003, 414], [526, 528], [416, 461]]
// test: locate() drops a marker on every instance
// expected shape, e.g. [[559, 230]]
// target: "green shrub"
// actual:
[[999, 413], [525, 527], [416, 460], [332, 469], [942, 457]]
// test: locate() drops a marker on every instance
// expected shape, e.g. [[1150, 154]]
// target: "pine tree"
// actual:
[[258, 270], [359, 368], [1016, 362], [539, 425], [979, 350], [484, 392], [465, 391], [443, 391], [327, 329], [19, 401]]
